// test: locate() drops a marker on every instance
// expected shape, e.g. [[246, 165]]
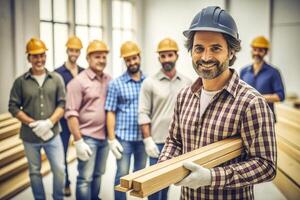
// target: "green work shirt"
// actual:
[[37, 102]]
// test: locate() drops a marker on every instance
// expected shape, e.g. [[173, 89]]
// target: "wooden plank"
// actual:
[[209, 164], [5, 116], [8, 122], [16, 184], [287, 113], [126, 181], [164, 177], [11, 155], [289, 134], [288, 149], [10, 131], [289, 166], [9, 143], [288, 188]]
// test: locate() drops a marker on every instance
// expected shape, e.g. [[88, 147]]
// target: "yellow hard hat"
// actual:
[[74, 43], [167, 44], [96, 45], [129, 48], [35, 46], [260, 42]]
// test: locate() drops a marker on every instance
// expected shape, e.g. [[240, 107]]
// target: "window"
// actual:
[[122, 25], [54, 30], [88, 23]]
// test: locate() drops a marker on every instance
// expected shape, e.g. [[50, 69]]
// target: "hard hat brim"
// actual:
[[35, 52]]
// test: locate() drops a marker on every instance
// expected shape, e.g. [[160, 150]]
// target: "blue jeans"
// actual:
[[163, 194], [65, 138], [90, 171], [135, 148], [55, 154]]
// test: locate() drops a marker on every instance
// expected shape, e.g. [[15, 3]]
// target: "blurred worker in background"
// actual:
[[68, 71], [262, 76], [87, 121], [157, 101], [124, 135]]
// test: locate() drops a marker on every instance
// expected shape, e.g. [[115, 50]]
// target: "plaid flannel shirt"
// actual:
[[238, 110]]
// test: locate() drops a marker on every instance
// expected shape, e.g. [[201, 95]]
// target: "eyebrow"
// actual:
[[213, 45]]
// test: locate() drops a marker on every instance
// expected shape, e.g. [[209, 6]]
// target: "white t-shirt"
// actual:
[[40, 78], [205, 99]]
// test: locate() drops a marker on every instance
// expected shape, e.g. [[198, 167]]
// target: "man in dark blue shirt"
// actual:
[[68, 71], [263, 77]]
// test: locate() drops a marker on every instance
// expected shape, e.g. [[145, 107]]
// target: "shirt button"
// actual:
[[42, 113], [41, 96], [42, 105]]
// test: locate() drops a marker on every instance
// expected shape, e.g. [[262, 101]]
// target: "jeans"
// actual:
[[135, 148], [162, 194], [90, 171], [65, 138], [55, 154]]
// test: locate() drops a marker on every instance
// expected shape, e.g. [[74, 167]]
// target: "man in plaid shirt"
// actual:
[[124, 134], [217, 106]]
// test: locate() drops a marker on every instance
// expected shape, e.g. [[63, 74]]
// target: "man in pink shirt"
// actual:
[[86, 119]]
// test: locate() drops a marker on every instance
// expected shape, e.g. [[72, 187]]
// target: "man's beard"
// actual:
[[72, 59], [212, 69], [257, 58], [132, 69], [168, 66]]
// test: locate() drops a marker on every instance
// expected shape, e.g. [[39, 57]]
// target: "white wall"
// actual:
[[169, 18], [286, 42], [252, 19]]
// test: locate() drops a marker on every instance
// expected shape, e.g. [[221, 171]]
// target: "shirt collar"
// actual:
[[230, 87], [126, 77], [92, 75], [67, 70], [28, 74], [160, 75], [263, 67]]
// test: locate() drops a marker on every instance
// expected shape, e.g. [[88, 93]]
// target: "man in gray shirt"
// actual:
[[157, 101], [37, 99]]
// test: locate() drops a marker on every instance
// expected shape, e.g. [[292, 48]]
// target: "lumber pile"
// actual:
[[147, 181], [288, 149], [14, 174]]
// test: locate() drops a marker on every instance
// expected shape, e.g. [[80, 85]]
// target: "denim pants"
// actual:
[[90, 171], [65, 138], [163, 194], [135, 148], [55, 154]]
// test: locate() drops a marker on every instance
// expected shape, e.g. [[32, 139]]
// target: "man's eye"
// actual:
[[216, 49], [199, 49]]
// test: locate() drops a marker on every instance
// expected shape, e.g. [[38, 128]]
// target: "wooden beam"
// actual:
[[157, 180], [288, 149], [289, 166], [5, 116], [126, 181], [9, 130], [8, 122]]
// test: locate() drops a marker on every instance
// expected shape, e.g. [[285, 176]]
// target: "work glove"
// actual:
[[116, 148], [48, 135], [151, 148], [83, 150], [198, 177], [41, 127]]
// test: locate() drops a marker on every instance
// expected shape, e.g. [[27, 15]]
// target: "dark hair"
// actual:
[[233, 44]]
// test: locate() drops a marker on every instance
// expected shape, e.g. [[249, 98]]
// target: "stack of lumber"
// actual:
[[288, 148], [147, 181], [14, 175]]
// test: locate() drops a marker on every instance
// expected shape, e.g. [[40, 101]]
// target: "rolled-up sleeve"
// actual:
[[61, 92], [278, 85], [74, 99], [15, 99], [145, 103], [112, 97], [258, 136]]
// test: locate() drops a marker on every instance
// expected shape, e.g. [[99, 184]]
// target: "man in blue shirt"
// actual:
[[124, 135], [263, 77], [68, 71]]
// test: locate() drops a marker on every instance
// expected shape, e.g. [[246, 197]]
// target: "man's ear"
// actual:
[[231, 54]]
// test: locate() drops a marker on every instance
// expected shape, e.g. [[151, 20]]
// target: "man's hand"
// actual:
[[116, 148], [48, 135], [83, 150], [41, 127], [151, 148], [198, 177]]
